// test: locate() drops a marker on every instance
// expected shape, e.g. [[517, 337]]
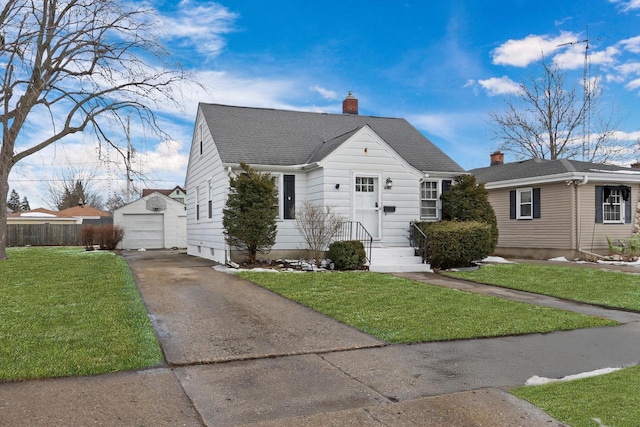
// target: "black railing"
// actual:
[[354, 230], [418, 240]]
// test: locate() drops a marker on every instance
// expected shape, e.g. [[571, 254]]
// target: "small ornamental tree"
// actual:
[[318, 226], [469, 201], [249, 218]]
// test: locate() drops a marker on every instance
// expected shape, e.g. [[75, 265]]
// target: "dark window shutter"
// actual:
[[627, 210], [289, 195], [599, 201], [512, 204], [536, 203], [446, 185]]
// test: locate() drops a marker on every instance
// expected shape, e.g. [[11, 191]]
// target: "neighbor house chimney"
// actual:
[[350, 104], [497, 158], [636, 165]]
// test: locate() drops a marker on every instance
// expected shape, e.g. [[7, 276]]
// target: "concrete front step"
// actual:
[[396, 260]]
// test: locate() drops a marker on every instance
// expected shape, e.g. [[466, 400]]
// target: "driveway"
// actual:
[[238, 354]]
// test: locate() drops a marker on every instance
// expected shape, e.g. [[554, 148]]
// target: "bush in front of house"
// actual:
[[457, 243], [347, 255], [108, 236]]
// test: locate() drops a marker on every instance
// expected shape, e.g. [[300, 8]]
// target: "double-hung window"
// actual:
[[210, 201], [612, 207], [524, 203], [429, 200]]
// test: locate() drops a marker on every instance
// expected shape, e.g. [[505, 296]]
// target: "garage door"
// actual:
[[143, 231]]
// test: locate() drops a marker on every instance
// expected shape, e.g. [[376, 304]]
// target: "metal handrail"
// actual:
[[418, 241], [354, 230]]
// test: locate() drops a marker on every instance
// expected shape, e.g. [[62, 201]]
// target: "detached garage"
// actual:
[[153, 222]]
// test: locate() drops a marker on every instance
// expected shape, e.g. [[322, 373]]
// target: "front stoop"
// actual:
[[396, 260]]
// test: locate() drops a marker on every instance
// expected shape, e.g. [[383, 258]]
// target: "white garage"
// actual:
[[152, 222]]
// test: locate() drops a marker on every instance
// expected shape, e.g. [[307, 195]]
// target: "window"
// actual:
[[197, 203], [201, 139], [365, 184], [524, 203], [210, 202], [612, 207], [429, 200], [613, 204], [289, 195]]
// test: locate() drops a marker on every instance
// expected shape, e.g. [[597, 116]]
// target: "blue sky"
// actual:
[[442, 65]]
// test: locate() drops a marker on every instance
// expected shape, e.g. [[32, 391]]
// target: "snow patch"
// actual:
[[559, 259], [536, 380], [497, 260]]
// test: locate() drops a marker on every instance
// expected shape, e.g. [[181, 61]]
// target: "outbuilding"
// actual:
[[154, 221]]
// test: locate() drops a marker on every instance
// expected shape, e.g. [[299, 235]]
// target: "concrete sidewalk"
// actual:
[[240, 355]]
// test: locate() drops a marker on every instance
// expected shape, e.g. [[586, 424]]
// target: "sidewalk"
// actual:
[[240, 355]]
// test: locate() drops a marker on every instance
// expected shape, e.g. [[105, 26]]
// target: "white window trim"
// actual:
[[519, 203], [210, 199], [622, 209], [437, 199], [198, 217]]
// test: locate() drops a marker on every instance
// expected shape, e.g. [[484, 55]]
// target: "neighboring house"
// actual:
[[548, 208], [154, 221], [41, 216], [176, 193], [88, 215], [378, 171]]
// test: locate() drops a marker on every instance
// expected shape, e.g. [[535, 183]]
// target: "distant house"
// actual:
[[176, 193], [88, 215], [155, 221], [548, 208], [378, 172], [41, 216]]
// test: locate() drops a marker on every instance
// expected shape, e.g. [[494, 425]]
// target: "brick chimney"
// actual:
[[636, 165], [350, 104], [497, 158]]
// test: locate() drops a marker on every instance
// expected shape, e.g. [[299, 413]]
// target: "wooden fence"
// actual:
[[44, 235]]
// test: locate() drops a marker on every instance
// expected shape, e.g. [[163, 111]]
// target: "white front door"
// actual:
[[367, 204]]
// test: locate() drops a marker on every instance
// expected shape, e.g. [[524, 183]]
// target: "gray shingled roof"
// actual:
[[279, 137], [534, 168]]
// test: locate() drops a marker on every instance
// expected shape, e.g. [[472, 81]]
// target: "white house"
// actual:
[[380, 172], [154, 221]]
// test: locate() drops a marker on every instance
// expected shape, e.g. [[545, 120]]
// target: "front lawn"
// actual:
[[614, 399], [402, 311], [64, 311], [589, 285]]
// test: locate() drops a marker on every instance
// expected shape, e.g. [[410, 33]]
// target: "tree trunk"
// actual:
[[4, 191]]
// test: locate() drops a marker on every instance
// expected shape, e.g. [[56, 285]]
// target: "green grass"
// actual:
[[64, 311], [613, 398], [402, 311], [593, 286]]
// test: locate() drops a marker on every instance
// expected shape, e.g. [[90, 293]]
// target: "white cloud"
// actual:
[[199, 25], [325, 93], [573, 57], [520, 53], [632, 44], [627, 6], [499, 86], [633, 84]]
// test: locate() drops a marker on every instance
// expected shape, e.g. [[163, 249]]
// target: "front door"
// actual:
[[366, 204]]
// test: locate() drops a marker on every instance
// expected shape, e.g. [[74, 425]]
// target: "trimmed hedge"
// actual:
[[457, 244], [347, 255]]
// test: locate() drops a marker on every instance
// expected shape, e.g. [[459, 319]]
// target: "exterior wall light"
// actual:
[[388, 184]]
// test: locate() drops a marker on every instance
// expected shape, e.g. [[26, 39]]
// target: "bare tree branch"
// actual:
[[77, 65]]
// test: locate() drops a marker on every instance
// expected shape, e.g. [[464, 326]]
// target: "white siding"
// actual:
[[366, 154], [205, 237]]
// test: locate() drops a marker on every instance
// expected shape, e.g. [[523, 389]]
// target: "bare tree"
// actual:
[[318, 226], [76, 65], [74, 188], [551, 119]]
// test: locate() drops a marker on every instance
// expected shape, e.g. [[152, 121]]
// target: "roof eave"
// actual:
[[564, 177]]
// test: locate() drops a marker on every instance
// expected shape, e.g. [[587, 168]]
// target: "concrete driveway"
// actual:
[[241, 355]]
